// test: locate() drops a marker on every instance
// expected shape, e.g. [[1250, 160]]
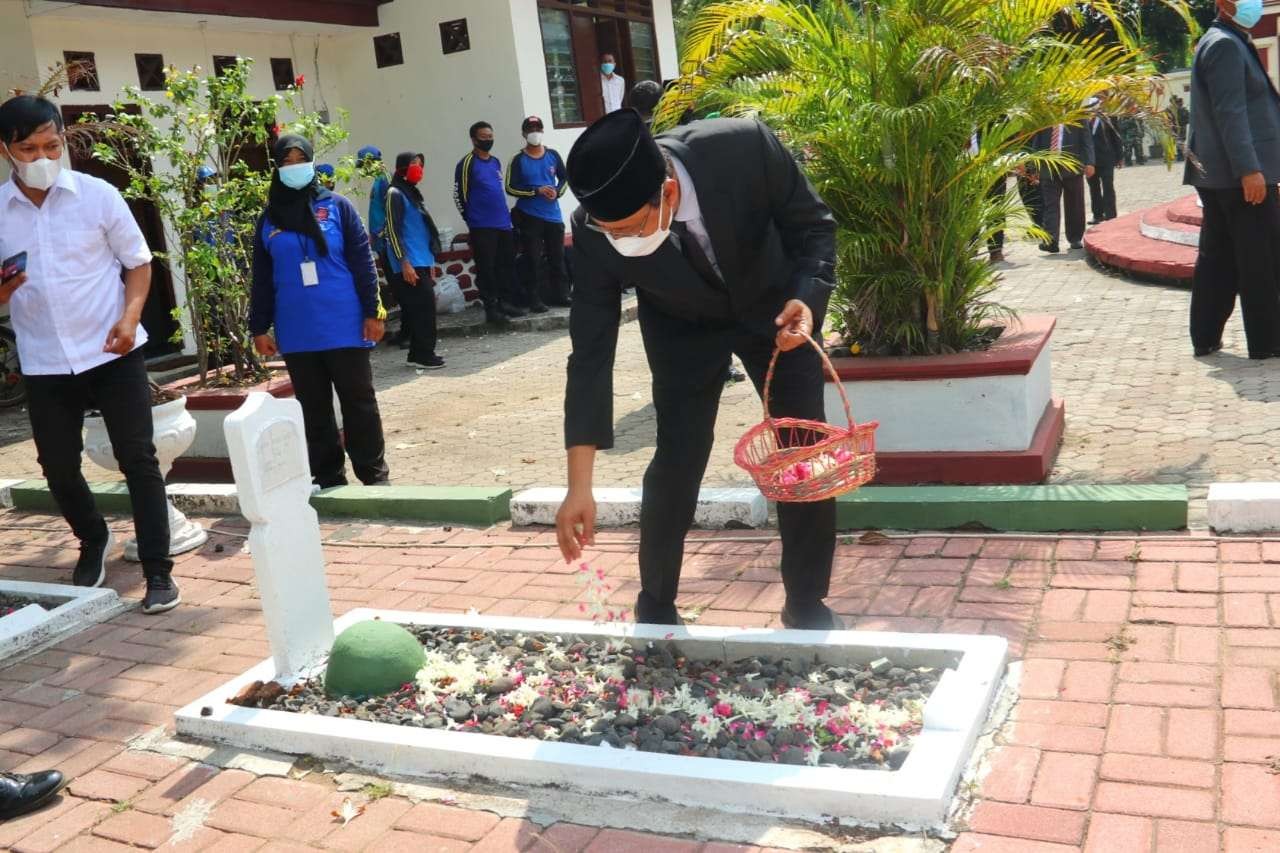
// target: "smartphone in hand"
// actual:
[[13, 266]]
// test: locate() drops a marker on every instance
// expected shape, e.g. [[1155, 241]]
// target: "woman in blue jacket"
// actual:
[[314, 280]]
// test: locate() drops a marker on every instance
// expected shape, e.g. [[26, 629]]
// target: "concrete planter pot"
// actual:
[[175, 429], [976, 417], [207, 460]]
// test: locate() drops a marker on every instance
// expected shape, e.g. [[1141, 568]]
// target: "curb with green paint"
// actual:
[[1033, 509], [479, 505], [1008, 508], [475, 505]]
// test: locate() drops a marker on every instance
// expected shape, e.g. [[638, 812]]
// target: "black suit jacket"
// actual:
[[1076, 141], [1235, 113], [1108, 150], [773, 238]]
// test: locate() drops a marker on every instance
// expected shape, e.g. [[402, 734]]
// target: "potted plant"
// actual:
[[173, 433], [162, 143], [905, 114]]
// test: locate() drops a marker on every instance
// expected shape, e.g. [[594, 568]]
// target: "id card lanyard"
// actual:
[[310, 276]]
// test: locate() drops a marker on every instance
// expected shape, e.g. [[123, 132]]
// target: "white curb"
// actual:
[[1244, 507], [69, 608], [620, 507], [6, 492]]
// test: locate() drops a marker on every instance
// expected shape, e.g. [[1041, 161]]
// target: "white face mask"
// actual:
[[534, 138], [639, 247], [39, 174]]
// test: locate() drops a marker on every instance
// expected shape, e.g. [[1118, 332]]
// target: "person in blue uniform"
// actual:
[[314, 282], [536, 179], [413, 242]]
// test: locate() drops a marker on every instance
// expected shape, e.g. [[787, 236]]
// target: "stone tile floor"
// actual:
[[1139, 408], [1147, 716]]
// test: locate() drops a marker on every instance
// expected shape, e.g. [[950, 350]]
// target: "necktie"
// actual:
[[1057, 138], [697, 258]]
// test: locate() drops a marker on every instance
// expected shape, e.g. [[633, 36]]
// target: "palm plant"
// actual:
[[881, 101]]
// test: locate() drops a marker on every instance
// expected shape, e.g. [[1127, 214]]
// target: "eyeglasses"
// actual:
[[639, 232]]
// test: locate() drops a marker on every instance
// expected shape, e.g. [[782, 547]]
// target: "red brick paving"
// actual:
[[1149, 712]]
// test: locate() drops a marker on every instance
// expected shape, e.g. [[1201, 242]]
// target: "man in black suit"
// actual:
[[1235, 166], [731, 251], [1108, 155], [1063, 187]]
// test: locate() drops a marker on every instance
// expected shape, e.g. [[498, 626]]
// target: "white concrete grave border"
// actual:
[[76, 607], [918, 794]]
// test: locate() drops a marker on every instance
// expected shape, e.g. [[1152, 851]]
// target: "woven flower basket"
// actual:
[[796, 461]]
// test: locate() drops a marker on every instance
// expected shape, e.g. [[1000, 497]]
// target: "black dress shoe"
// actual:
[[1077, 246], [512, 310], [1051, 248], [91, 568], [811, 617], [537, 308], [1201, 352], [1262, 356], [25, 792], [648, 613], [162, 593], [561, 302]]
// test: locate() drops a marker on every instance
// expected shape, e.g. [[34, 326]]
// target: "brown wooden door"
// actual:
[[157, 314]]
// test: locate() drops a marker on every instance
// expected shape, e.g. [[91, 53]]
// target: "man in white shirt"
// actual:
[[79, 336], [612, 86]]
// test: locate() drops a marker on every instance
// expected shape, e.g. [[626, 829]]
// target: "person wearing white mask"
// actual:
[[537, 180], [1234, 167], [80, 336], [613, 87], [731, 252]]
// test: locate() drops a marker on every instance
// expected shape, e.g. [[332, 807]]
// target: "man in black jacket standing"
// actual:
[[1062, 188], [1235, 166], [731, 251], [1108, 155]]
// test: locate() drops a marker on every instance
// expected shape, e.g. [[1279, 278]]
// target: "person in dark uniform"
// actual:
[[731, 251], [1108, 155], [1062, 188]]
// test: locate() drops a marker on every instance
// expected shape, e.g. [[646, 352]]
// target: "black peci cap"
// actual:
[[615, 168]]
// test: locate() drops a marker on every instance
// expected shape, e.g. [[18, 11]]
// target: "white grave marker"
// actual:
[[269, 460]]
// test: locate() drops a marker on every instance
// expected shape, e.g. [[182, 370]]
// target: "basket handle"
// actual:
[[773, 363]]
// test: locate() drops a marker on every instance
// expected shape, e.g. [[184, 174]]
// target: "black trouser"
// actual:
[[1102, 193], [417, 312], [1029, 191], [316, 376], [688, 362], [119, 390], [542, 242], [1239, 254], [1058, 192], [494, 250], [996, 243]]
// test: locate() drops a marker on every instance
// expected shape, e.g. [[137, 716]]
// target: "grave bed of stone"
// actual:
[[648, 696], [907, 783], [35, 613]]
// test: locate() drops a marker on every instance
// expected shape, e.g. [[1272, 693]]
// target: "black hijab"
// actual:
[[414, 195], [400, 182], [290, 209]]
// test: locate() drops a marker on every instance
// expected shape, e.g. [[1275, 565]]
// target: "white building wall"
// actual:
[[428, 103]]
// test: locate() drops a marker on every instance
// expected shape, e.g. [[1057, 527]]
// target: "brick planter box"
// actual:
[[207, 460], [976, 417]]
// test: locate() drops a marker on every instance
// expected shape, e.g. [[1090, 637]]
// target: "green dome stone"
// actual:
[[372, 659]]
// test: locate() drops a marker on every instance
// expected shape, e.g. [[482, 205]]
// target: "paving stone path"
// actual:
[[1139, 407], [1147, 716]]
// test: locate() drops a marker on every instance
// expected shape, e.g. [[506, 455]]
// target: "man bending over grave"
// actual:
[[731, 251]]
